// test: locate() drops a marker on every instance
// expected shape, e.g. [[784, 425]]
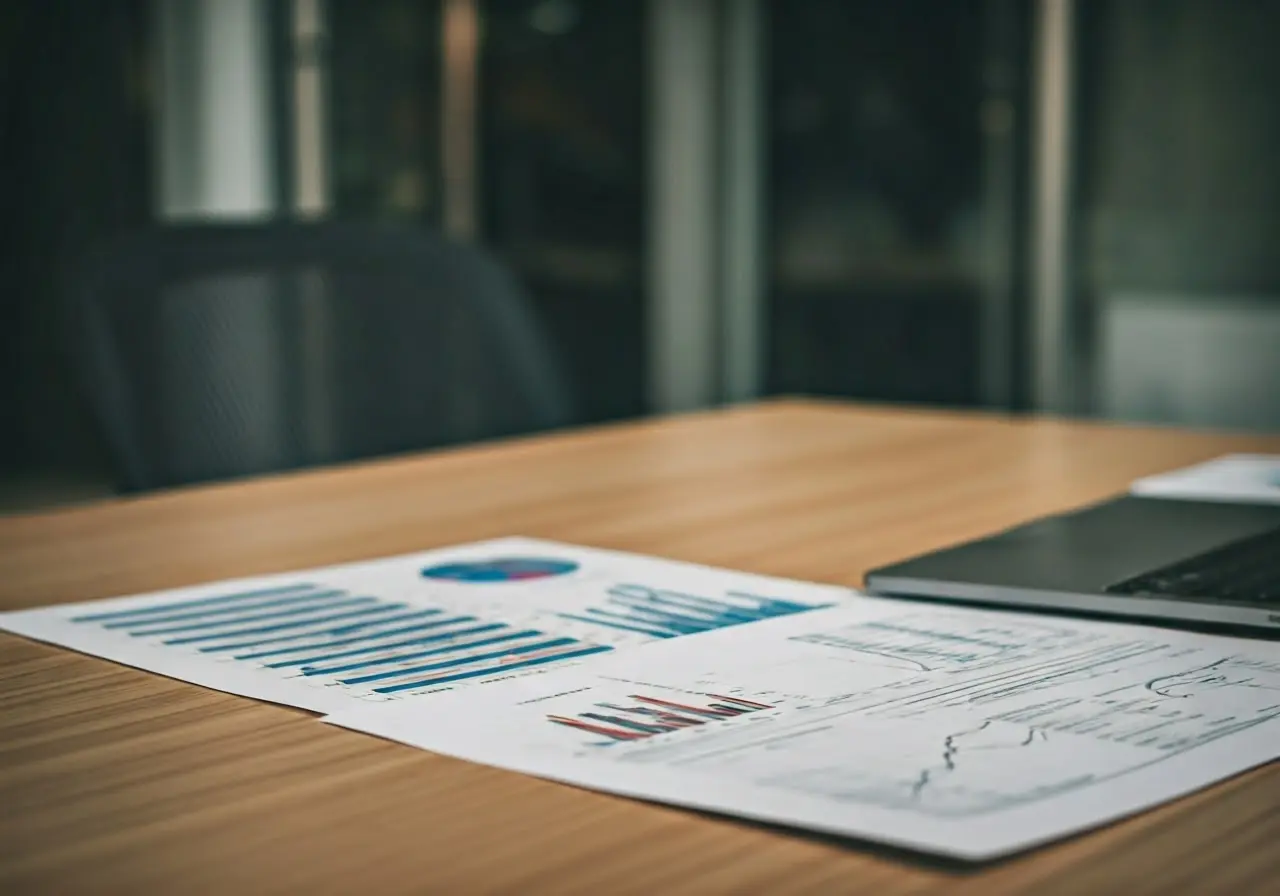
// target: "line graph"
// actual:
[[961, 773], [942, 642], [1226, 673], [1093, 710], [1021, 729], [952, 745]]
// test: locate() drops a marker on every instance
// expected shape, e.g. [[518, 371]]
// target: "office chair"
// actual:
[[213, 351]]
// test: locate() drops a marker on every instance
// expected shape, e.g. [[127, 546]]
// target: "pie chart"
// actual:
[[500, 569]]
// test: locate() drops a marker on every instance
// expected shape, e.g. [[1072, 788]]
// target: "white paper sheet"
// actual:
[[392, 630], [1247, 478], [968, 733]]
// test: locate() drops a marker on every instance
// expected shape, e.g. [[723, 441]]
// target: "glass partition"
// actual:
[[890, 130]]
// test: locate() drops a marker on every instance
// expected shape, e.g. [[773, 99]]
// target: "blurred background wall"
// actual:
[[1027, 205]]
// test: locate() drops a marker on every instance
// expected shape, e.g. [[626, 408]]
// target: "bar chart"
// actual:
[[333, 637], [343, 637], [660, 613], [649, 716]]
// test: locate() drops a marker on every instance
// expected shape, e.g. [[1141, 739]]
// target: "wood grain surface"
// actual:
[[116, 780]]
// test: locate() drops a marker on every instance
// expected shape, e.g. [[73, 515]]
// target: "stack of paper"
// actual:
[[1243, 478], [958, 731]]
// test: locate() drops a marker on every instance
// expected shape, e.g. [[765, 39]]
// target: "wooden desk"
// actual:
[[117, 780]]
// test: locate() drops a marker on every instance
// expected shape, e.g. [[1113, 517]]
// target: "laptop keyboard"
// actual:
[[1244, 571]]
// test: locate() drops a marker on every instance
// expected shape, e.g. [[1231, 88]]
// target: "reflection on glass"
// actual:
[[876, 198], [1179, 277], [76, 159], [562, 171]]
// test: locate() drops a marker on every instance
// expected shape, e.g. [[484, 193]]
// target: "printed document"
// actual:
[[964, 732], [1240, 478], [394, 630]]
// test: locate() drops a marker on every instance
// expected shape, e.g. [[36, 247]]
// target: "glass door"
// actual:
[[384, 96], [893, 132], [562, 181]]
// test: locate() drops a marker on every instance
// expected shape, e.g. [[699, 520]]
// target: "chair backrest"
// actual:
[[215, 351]]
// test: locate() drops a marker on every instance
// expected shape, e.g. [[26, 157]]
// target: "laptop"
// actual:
[[1206, 560]]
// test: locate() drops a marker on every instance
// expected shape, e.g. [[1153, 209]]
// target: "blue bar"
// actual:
[[666, 617], [326, 645], [669, 625], [478, 673], [403, 657], [357, 626], [285, 626], [222, 611], [683, 601], [199, 602], [382, 645], [240, 645], [238, 620], [463, 661], [776, 606], [726, 615], [626, 628], [627, 723]]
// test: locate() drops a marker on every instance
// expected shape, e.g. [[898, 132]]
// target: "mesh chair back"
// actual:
[[219, 351]]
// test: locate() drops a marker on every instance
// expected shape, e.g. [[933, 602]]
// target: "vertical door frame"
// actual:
[[742, 190], [308, 83], [215, 133], [706, 151], [1000, 116], [1055, 368], [683, 366], [460, 119]]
